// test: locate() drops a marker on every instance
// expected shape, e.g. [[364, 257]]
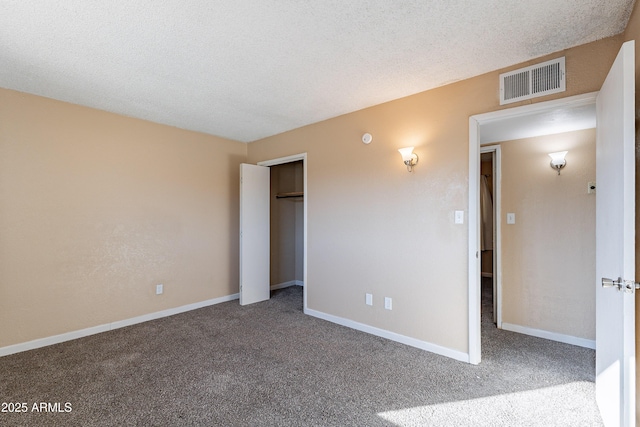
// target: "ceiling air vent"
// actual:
[[530, 82]]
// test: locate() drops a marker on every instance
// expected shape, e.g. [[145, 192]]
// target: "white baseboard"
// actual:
[[553, 336], [56, 339], [423, 345], [287, 284]]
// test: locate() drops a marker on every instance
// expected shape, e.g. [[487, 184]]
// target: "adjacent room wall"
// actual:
[[548, 255], [375, 228], [96, 209]]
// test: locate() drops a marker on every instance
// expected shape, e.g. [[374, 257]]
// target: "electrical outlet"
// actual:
[[159, 289], [369, 299], [387, 303]]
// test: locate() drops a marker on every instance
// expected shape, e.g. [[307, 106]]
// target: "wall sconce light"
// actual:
[[557, 160], [409, 157]]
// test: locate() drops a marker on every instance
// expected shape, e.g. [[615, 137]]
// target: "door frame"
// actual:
[[290, 159], [473, 254]]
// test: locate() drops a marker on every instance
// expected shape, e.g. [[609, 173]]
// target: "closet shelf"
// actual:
[[289, 195]]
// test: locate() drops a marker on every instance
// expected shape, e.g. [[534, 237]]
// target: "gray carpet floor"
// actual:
[[270, 365]]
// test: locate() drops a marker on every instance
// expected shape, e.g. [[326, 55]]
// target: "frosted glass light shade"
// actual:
[[409, 158], [557, 159], [406, 153]]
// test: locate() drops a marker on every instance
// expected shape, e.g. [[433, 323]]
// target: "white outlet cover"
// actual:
[[459, 217], [369, 299], [159, 289], [387, 303]]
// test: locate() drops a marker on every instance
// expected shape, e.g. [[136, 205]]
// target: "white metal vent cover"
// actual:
[[533, 81]]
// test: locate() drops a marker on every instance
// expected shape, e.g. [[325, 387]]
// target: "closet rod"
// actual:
[[288, 195]]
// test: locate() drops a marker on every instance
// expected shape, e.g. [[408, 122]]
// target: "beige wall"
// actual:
[[374, 227], [96, 209], [633, 33], [286, 224], [548, 255]]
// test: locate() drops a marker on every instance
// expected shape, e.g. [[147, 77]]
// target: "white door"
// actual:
[[254, 233], [615, 240]]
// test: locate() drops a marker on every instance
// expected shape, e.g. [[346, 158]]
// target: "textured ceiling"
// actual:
[[247, 69]]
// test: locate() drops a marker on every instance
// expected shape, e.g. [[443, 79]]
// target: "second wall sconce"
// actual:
[[409, 157], [557, 160]]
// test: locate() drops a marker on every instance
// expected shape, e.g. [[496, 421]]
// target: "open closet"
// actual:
[[287, 225]]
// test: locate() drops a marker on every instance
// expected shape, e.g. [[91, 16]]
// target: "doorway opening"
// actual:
[[288, 223], [503, 125], [489, 225]]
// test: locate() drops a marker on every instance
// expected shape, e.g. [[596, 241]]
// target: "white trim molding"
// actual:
[[68, 336], [423, 345], [553, 336]]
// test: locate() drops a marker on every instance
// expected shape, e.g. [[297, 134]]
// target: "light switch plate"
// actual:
[[369, 299], [511, 218], [459, 217]]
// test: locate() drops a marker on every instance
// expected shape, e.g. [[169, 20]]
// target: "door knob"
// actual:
[[628, 285]]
